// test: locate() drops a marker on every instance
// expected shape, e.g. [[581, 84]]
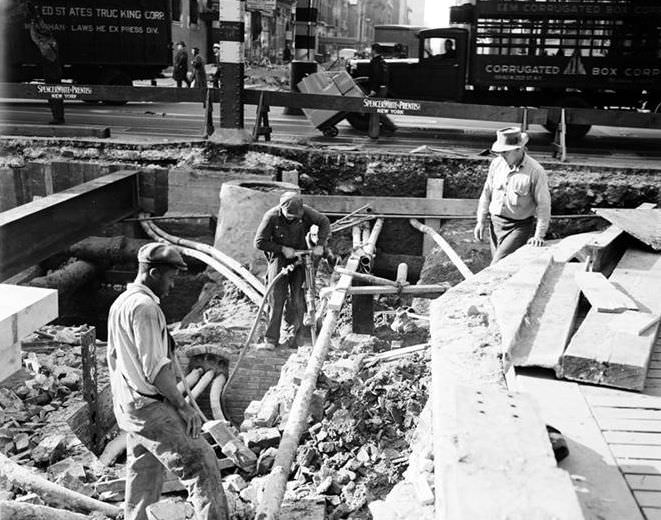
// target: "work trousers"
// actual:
[[157, 440], [53, 74], [507, 235], [287, 295]]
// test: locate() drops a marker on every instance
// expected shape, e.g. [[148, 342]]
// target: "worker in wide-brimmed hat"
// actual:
[[282, 231], [180, 66], [515, 196], [162, 428]]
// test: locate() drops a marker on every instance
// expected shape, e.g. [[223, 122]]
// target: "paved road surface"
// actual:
[[162, 122]]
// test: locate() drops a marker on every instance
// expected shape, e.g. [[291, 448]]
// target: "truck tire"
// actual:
[[359, 121], [574, 132]]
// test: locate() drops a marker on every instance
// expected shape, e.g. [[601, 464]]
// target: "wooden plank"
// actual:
[[634, 322], [644, 482], [628, 425], [609, 245], [603, 295], [643, 438], [601, 355], [648, 498], [551, 319], [644, 224], [641, 414], [640, 467], [23, 310], [499, 472], [99, 132], [604, 493], [434, 192], [652, 514], [513, 300], [633, 451], [393, 206], [572, 247]]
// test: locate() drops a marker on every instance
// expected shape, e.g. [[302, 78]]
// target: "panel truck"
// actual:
[[572, 53], [101, 42]]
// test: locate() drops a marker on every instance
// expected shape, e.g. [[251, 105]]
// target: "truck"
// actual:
[[101, 42], [397, 40], [582, 54]]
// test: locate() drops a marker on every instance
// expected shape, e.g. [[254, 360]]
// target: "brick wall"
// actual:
[[260, 370]]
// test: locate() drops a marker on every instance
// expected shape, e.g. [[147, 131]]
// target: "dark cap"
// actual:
[[182, 43], [291, 204], [161, 254]]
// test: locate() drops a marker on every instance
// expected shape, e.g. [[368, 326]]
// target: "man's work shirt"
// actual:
[[276, 231], [137, 348], [517, 193]]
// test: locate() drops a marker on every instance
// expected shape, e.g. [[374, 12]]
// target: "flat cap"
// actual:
[[161, 254], [291, 204]]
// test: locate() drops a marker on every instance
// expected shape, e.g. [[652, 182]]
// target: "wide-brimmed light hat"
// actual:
[[510, 138]]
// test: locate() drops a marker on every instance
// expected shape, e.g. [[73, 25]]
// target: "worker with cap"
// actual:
[[515, 193], [282, 231], [163, 429]]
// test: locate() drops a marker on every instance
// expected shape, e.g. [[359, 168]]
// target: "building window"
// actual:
[[176, 10], [193, 12]]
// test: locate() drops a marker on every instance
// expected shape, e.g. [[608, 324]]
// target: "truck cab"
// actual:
[[437, 74]]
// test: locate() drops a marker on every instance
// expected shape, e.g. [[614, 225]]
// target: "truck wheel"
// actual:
[[574, 132], [359, 121], [331, 131]]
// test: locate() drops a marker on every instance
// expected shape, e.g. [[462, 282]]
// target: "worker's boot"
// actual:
[[558, 443]]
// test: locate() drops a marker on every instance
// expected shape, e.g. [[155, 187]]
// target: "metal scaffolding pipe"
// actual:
[[402, 273], [191, 378], [276, 484], [364, 277], [447, 248], [356, 236]]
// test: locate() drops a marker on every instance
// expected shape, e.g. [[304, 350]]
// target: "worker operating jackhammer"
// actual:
[[281, 233]]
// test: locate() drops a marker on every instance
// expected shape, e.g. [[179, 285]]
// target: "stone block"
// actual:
[[170, 509], [235, 483], [261, 438], [49, 450]]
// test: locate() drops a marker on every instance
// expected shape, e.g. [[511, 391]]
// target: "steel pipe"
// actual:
[[215, 394], [447, 248], [202, 384]]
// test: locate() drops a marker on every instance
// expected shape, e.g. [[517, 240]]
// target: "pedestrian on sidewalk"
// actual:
[[515, 193], [282, 231], [199, 74], [180, 69], [216, 73], [163, 430], [49, 50]]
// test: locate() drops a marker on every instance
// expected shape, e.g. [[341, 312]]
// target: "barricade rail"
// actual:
[[526, 115]]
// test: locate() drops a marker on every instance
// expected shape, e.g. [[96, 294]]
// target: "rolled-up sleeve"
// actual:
[[543, 203], [150, 340], [485, 197]]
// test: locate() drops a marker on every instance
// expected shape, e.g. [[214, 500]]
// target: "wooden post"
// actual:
[[90, 386], [560, 142], [434, 191]]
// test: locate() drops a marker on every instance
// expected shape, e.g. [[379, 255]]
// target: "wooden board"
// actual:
[[434, 191], [634, 322], [498, 470], [604, 493], [513, 299], [609, 245], [602, 294], [404, 207], [22, 311], [572, 247], [551, 319], [644, 224], [598, 354]]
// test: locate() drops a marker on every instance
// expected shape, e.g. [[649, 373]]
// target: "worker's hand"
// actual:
[[535, 242], [288, 252], [318, 250], [478, 232], [192, 419]]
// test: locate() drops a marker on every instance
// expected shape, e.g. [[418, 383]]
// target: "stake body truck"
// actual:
[[101, 42], [571, 53]]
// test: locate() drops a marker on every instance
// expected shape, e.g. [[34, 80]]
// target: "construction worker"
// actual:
[[281, 233], [515, 192], [163, 430]]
